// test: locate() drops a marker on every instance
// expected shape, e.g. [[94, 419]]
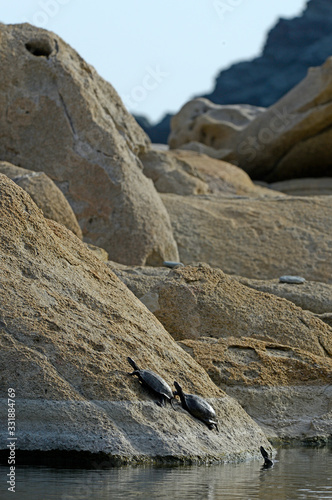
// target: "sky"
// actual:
[[157, 54]]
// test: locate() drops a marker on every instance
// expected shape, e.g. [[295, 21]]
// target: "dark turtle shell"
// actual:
[[156, 383], [198, 407], [201, 409]]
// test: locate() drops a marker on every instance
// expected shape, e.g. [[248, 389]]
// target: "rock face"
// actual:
[[311, 295], [67, 325], [285, 389], [271, 355], [201, 301], [258, 238], [304, 187], [65, 120], [291, 139], [213, 125], [189, 172], [45, 194]]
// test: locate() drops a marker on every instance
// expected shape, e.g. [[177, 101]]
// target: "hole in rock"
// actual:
[[39, 47]]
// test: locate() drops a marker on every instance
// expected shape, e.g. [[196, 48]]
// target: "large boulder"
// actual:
[[310, 295], [261, 238], [192, 302], [44, 193], [287, 390], [271, 355], [67, 325], [189, 172], [64, 119], [292, 139], [308, 186], [214, 125]]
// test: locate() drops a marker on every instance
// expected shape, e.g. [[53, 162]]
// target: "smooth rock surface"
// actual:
[[311, 295], [304, 187], [213, 125], [189, 172], [292, 138], [67, 325], [93, 156], [45, 194], [258, 238], [198, 301]]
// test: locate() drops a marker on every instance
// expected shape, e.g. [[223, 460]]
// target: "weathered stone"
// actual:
[[201, 301], [292, 46], [304, 187], [171, 175], [285, 389], [292, 280], [248, 362], [45, 194], [211, 124], [67, 325], [292, 139], [98, 252], [258, 238], [189, 172], [140, 280], [64, 119], [311, 295]]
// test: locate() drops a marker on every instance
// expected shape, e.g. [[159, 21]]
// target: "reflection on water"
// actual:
[[298, 473]]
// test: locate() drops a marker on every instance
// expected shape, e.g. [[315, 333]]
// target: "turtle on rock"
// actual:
[[154, 382], [198, 407]]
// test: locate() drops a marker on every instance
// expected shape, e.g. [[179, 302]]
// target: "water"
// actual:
[[298, 473]]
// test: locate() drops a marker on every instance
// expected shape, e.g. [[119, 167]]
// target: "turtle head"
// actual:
[[178, 388], [133, 364]]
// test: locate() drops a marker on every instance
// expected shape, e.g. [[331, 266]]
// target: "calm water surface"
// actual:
[[298, 473]]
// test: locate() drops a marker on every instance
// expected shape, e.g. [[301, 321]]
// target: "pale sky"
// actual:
[[157, 53]]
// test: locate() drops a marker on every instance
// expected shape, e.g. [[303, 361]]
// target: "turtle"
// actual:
[[267, 462], [150, 379], [198, 407]]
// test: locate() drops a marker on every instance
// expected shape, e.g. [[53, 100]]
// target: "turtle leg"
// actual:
[[171, 401], [161, 402]]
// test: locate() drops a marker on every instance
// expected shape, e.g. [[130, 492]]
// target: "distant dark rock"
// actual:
[[291, 47], [159, 132]]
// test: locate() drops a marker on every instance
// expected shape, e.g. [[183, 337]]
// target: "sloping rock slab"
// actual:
[[63, 119], [45, 194], [292, 139], [67, 325], [311, 295], [257, 238], [193, 302], [137, 432]]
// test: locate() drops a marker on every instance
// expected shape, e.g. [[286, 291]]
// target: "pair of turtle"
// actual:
[[195, 405]]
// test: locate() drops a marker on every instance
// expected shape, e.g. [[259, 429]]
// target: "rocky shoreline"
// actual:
[[91, 211]]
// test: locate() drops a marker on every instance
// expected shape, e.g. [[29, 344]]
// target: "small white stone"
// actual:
[[296, 280]]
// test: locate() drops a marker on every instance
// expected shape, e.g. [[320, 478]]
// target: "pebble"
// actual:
[[172, 264], [296, 280]]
